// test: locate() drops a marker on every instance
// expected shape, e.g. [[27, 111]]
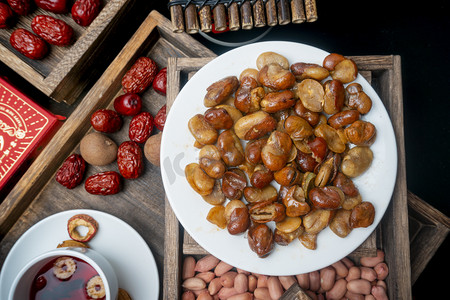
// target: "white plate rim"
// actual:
[[166, 168], [151, 282]]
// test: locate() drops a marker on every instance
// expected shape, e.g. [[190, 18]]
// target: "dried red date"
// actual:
[[105, 183], [55, 6], [85, 11], [128, 104], [28, 44], [160, 82], [141, 127], [130, 160], [139, 77], [106, 120], [52, 30], [160, 118], [6, 16], [20, 7], [71, 172]]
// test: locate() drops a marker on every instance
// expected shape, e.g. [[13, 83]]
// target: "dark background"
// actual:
[[417, 31]]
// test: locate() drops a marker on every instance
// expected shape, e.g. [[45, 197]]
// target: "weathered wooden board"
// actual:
[[384, 74], [141, 202], [65, 71]]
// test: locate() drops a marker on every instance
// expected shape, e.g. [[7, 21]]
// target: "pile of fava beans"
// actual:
[[296, 125], [209, 278]]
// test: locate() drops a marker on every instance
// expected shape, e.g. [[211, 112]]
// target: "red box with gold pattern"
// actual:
[[25, 127]]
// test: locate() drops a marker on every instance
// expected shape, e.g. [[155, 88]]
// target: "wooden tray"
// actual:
[[391, 235], [141, 202], [65, 71]]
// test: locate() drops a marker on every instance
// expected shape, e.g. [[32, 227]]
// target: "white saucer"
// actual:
[[117, 241]]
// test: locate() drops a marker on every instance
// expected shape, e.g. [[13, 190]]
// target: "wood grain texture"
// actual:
[[59, 74]]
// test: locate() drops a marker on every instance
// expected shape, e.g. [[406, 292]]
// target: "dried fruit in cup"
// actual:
[[83, 220], [128, 104], [106, 120], [6, 16], [53, 31], [71, 172], [85, 11], [160, 82], [28, 44], [140, 76], [64, 267], [95, 288]]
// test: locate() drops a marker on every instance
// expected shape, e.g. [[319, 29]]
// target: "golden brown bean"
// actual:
[[330, 135], [277, 101], [331, 60], [343, 118], [233, 184], [260, 239], [358, 99], [261, 177], [254, 126], [362, 215], [219, 118], [311, 94], [298, 128], [220, 90], [253, 195], [361, 133], [217, 196], [307, 70], [198, 179], [345, 71], [334, 96], [340, 224], [269, 57], [356, 161], [275, 153], [275, 77], [216, 216], [202, 131], [230, 148], [239, 221]]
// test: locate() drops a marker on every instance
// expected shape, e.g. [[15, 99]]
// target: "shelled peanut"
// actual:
[[210, 278]]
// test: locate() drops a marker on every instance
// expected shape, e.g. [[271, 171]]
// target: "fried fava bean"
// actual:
[[261, 176], [330, 135], [356, 161], [267, 211], [230, 148], [288, 175], [345, 71], [270, 57], [219, 118], [316, 220], [328, 197], [303, 70], [254, 126], [275, 154], [331, 60], [310, 116], [345, 184], [277, 101], [358, 99], [275, 77], [361, 133], [220, 90], [253, 151], [217, 196], [305, 161], [253, 195], [362, 215], [216, 216], [233, 184], [260, 239], [340, 224], [244, 100], [239, 220], [295, 202], [211, 162], [311, 93], [334, 96], [202, 131], [198, 179], [298, 128], [343, 118]]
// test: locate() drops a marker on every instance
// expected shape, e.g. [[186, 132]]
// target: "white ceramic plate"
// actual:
[[375, 185], [117, 241]]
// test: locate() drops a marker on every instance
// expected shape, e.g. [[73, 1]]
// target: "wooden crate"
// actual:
[[392, 233], [65, 71], [141, 202]]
